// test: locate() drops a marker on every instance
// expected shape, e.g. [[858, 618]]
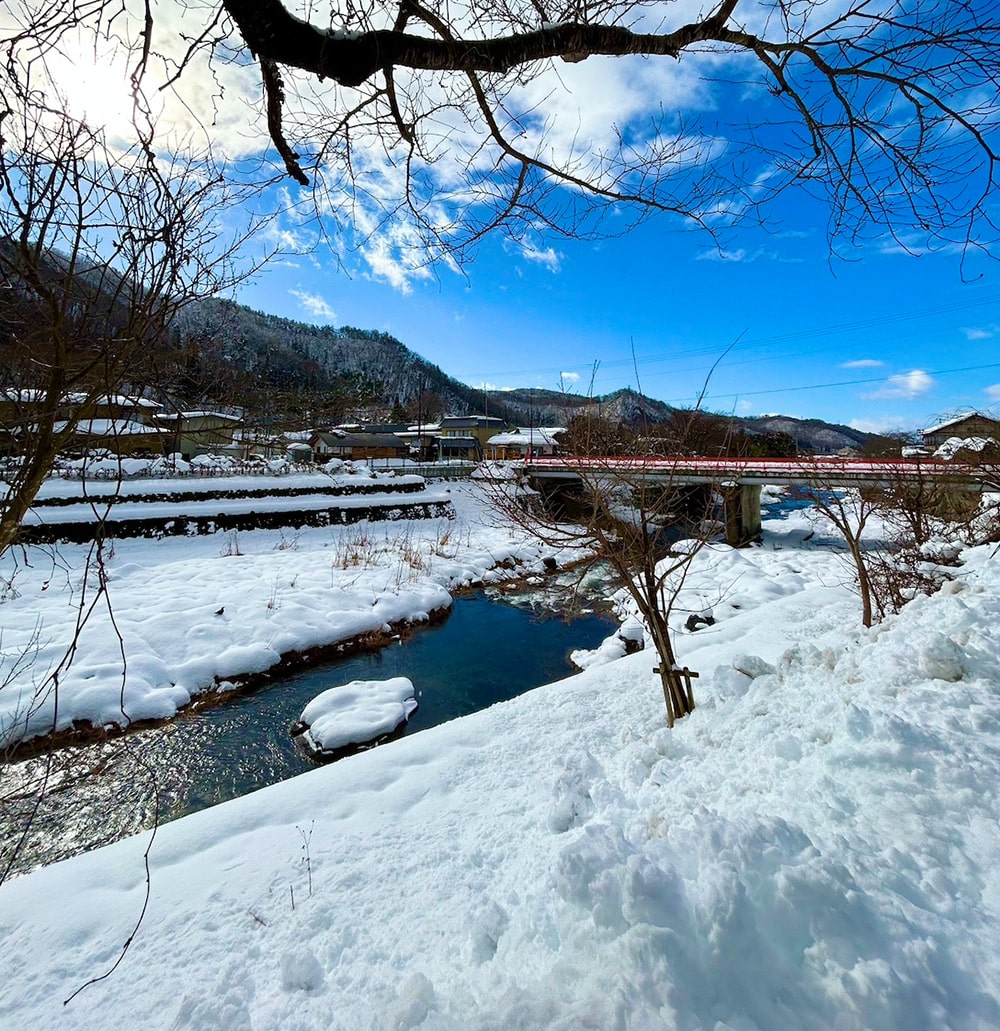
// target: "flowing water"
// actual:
[[485, 652]]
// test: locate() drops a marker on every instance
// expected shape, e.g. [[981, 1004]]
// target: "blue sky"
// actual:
[[875, 338], [884, 340]]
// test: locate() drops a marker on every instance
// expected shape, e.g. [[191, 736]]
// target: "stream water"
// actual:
[[486, 651]]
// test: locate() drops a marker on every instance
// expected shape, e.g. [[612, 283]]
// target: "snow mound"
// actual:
[[355, 714]]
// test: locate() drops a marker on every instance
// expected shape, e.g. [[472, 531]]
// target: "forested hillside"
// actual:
[[363, 367]]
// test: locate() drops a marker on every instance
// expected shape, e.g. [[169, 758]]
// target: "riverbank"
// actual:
[[91, 643], [813, 847]]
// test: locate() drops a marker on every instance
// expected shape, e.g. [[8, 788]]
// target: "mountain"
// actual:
[[812, 433], [287, 355], [538, 407], [363, 365]]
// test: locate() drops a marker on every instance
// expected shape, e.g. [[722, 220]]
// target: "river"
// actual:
[[488, 650]]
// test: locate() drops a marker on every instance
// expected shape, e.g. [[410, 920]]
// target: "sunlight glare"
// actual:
[[96, 89]]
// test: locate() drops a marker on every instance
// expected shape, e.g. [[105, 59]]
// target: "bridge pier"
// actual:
[[742, 508]]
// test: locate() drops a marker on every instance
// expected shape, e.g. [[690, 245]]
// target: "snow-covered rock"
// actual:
[[354, 714]]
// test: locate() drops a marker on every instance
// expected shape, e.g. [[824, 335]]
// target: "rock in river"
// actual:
[[344, 718]]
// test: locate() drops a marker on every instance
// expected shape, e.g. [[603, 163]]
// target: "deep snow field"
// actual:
[[815, 847]]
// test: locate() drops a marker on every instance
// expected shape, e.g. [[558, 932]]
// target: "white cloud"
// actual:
[[569, 377], [717, 254], [906, 385], [887, 424], [315, 305], [547, 256], [742, 256], [993, 392], [863, 363], [980, 332]]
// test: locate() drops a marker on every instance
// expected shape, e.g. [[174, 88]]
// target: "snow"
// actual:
[[355, 713], [182, 616], [815, 847], [953, 445], [109, 428]]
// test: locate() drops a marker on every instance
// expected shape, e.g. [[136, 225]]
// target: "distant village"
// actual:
[[137, 427], [128, 426]]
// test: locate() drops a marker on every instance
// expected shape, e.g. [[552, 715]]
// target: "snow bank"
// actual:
[[355, 714], [815, 847], [181, 615]]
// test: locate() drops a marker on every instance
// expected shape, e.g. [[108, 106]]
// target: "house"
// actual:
[[464, 437], [119, 423], [199, 433], [119, 436], [423, 439], [357, 445], [964, 427], [516, 444], [261, 443]]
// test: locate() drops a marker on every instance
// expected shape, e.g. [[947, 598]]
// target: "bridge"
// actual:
[[739, 480]]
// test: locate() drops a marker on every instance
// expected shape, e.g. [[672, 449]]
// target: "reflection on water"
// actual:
[[482, 654]]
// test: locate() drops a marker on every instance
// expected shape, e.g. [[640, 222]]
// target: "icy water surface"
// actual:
[[485, 652]]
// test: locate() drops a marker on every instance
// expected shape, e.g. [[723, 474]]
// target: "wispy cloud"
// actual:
[[318, 307], [741, 256], [569, 377], [980, 332], [549, 257], [907, 385], [993, 393], [863, 363]]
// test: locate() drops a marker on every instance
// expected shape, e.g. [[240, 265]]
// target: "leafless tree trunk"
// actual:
[[908, 509]]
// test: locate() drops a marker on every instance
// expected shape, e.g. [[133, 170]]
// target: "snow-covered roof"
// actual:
[[532, 437], [459, 421], [109, 428], [948, 423], [121, 400], [173, 416]]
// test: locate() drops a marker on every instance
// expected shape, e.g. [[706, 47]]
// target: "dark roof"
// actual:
[[344, 439]]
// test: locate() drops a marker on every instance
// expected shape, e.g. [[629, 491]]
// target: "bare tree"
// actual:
[[890, 527], [458, 117], [627, 514], [99, 249]]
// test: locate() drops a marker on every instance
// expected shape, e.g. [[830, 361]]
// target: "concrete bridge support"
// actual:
[[742, 507]]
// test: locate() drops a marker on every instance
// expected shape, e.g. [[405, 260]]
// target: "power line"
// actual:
[[841, 383], [778, 338]]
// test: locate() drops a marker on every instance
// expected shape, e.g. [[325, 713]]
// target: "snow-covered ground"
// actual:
[[183, 614], [816, 847]]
